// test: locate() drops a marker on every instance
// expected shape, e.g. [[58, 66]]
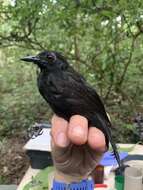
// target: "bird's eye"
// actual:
[[50, 58]]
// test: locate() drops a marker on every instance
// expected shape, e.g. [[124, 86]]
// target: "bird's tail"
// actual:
[[105, 127]]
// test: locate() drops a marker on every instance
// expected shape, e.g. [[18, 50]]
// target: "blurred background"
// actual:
[[102, 39]]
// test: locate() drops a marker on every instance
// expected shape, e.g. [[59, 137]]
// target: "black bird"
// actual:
[[67, 93]]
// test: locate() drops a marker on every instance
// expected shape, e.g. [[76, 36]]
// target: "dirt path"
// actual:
[[13, 161]]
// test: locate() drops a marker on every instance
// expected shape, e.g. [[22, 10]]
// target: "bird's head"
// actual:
[[48, 60]]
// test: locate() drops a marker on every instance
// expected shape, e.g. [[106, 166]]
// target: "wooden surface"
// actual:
[[8, 187]]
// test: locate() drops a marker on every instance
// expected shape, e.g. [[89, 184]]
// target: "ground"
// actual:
[[13, 160]]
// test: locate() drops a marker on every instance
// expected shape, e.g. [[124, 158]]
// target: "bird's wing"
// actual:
[[71, 88], [82, 92]]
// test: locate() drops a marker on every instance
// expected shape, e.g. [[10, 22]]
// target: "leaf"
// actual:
[[40, 181]]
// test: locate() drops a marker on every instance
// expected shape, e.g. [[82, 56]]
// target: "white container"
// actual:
[[133, 179]]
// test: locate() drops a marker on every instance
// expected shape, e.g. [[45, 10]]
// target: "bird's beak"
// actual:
[[31, 59]]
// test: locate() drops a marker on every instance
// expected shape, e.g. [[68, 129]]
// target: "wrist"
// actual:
[[59, 176]]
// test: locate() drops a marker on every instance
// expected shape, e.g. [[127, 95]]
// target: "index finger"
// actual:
[[59, 131]]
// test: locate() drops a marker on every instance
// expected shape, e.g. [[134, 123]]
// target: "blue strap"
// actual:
[[82, 185]]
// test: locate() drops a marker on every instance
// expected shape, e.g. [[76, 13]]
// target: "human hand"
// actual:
[[76, 149]]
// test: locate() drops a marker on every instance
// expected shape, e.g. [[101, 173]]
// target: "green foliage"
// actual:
[[3, 180], [102, 39], [21, 104], [40, 181]]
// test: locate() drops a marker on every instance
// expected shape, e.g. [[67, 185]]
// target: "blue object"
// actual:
[[109, 159], [83, 185]]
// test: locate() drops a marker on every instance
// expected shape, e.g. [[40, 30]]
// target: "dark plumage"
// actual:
[[68, 94]]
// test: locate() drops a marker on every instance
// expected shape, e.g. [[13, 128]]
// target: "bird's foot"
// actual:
[[120, 170]]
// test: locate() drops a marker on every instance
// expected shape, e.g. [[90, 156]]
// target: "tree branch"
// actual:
[[129, 60]]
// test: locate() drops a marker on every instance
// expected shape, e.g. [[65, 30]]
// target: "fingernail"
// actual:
[[62, 140], [78, 130]]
